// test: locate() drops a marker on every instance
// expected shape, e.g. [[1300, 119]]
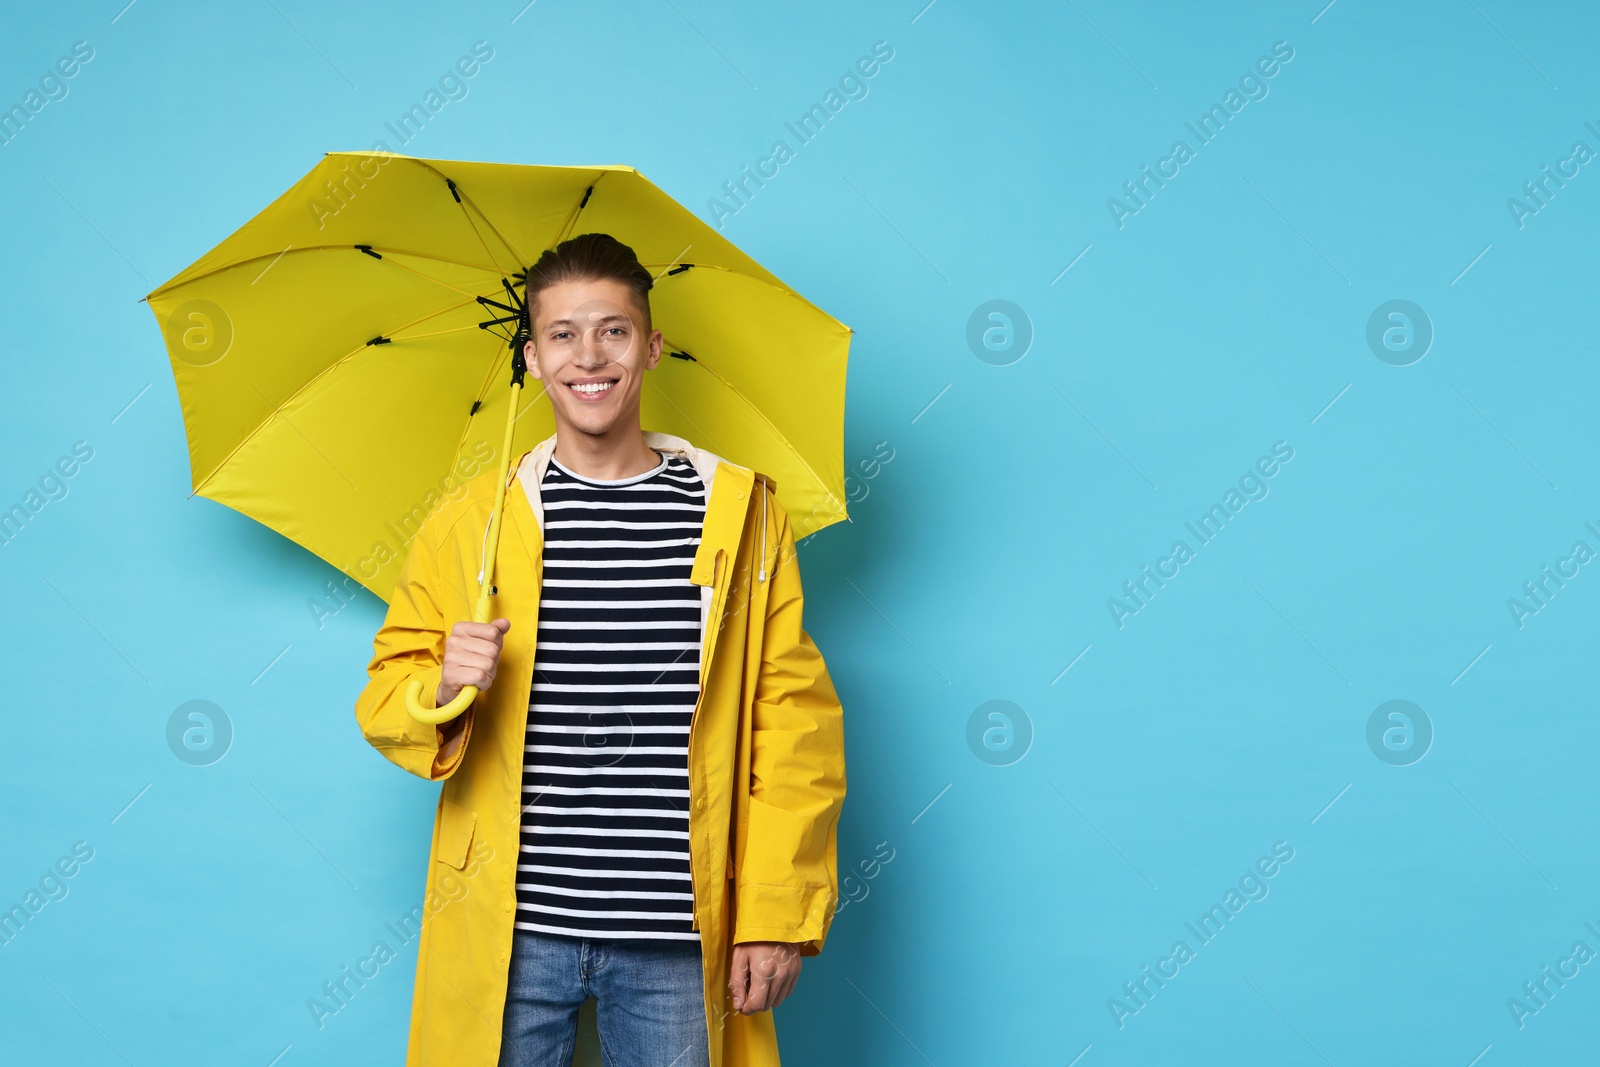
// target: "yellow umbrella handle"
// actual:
[[469, 693], [481, 609]]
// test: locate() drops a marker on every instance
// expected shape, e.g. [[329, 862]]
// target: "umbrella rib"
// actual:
[[577, 209], [483, 391], [759, 414], [464, 201], [466, 424], [247, 438], [439, 333], [495, 270], [460, 203], [778, 285], [430, 278]]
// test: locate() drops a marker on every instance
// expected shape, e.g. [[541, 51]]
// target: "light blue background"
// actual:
[[1228, 314]]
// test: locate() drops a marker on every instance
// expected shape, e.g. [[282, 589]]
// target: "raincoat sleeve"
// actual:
[[410, 644], [786, 884]]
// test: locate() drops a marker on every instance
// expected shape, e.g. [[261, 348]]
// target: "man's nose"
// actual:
[[590, 350], [597, 347]]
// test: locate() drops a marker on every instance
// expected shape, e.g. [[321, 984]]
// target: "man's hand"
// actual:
[[764, 972], [471, 656]]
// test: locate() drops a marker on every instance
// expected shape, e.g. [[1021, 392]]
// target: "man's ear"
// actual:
[[532, 358], [654, 355]]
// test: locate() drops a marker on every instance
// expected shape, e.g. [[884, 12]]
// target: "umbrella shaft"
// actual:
[[483, 607]]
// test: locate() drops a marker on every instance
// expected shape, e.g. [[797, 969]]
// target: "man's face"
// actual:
[[591, 350]]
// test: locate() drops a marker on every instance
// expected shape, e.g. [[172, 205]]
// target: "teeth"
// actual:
[[597, 387]]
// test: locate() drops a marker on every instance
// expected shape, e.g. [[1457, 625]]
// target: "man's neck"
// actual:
[[605, 458]]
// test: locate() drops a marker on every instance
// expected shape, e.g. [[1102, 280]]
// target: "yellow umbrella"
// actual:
[[337, 357]]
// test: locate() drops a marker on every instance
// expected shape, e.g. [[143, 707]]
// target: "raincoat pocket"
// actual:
[[456, 828]]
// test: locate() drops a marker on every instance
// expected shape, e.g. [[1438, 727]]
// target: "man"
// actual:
[[649, 782]]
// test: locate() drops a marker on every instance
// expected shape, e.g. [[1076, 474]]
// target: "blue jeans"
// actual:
[[649, 1001]]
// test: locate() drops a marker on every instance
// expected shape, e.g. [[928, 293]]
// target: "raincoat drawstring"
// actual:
[[763, 575], [483, 552]]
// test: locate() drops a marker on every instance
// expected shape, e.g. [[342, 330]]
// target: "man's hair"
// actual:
[[589, 257]]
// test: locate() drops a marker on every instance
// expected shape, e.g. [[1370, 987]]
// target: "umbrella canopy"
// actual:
[[342, 359]]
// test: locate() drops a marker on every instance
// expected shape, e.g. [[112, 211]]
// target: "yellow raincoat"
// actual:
[[766, 752]]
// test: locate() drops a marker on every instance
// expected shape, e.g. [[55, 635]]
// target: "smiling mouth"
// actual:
[[592, 391]]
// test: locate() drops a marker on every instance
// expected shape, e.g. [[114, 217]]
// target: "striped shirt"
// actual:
[[616, 676]]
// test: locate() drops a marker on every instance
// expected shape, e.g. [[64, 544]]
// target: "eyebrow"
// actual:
[[604, 319]]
